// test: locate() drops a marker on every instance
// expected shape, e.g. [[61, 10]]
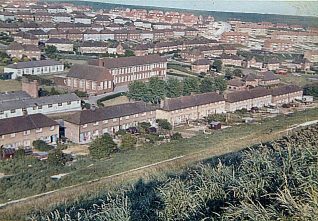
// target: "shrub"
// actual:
[[164, 124], [176, 136], [128, 141], [102, 147], [41, 145], [57, 158]]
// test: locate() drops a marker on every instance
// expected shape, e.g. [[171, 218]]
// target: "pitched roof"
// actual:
[[32, 64], [246, 95], [58, 41], [24, 123], [191, 101], [202, 62], [15, 95], [286, 89], [269, 76], [106, 113], [39, 101], [236, 82], [129, 61], [89, 72]]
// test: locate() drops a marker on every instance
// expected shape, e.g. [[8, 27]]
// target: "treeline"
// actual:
[[270, 181], [157, 89]]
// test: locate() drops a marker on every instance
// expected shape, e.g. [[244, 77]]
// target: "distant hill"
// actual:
[[220, 16]]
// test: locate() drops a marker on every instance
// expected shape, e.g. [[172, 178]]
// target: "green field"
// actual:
[[36, 179]]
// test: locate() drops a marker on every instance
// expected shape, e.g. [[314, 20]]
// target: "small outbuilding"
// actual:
[[215, 125]]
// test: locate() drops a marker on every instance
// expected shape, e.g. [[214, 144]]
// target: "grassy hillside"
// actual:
[[270, 181], [220, 16]]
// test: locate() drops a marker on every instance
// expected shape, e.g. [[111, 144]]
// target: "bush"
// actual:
[[176, 136], [216, 117], [102, 147], [128, 141], [57, 158], [42, 145], [164, 124]]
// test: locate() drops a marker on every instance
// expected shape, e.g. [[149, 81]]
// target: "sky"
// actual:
[[292, 7]]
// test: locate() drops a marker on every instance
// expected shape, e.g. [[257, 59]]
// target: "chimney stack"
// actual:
[[32, 88]]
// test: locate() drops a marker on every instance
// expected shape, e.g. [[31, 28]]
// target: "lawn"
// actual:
[[10, 85], [116, 101], [301, 80], [194, 149]]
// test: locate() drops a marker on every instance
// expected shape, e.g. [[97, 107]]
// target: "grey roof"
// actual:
[[14, 95], [286, 89], [31, 102], [89, 72], [24, 123], [191, 101], [246, 95], [129, 61], [106, 113], [32, 64]]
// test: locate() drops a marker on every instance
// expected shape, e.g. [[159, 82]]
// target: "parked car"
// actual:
[[132, 130]]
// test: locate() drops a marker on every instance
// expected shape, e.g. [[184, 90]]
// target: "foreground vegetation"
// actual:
[[270, 181]]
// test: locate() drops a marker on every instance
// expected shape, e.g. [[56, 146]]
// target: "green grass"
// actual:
[[9, 85], [301, 81]]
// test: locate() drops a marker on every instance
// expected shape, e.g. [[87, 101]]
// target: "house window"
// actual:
[[52, 128], [114, 120], [50, 105], [12, 135], [2, 137], [127, 117], [85, 125], [12, 111], [1, 112], [96, 124], [27, 132], [59, 104], [105, 121], [69, 103], [40, 106], [39, 130], [34, 108]]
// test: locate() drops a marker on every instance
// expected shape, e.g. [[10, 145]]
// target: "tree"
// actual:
[[190, 85], [217, 64], [15, 60], [102, 147], [156, 90], [129, 53], [228, 74], [51, 50], [128, 141], [57, 157], [164, 124], [137, 91], [220, 84], [53, 91], [238, 73], [207, 85], [174, 87]]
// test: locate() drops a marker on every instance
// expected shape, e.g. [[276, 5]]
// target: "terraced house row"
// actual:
[[86, 125]]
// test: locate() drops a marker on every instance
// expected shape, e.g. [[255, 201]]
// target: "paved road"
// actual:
[[224, 28], [119, 89]]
